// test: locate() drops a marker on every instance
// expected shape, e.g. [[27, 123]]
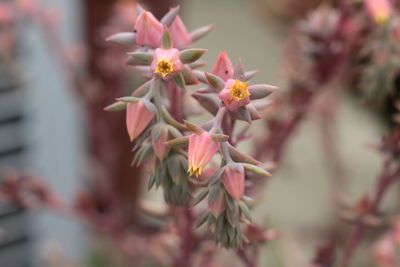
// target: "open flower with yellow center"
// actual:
[[166, 62], [235, 94]]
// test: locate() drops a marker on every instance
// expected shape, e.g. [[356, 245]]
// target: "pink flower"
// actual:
[[166, 62], [148, 30], [235, 94], [384, 252], [179, 33], [379, 10], [138, 117], [396, 231], [201, 149], [233, 180], [223, 68], [160, 147]]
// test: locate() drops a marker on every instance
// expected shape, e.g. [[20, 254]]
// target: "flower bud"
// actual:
[[379, 10], [233, 180], [138, 117], [216, 202], [148, 30], [201, 149], [160, 146]]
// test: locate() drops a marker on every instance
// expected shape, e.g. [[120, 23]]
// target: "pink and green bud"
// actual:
[[148, 30], [217, 203], [235, 94], [223, 68], [233, 180], [179, 34], [160, 146], [201, 150], [138, 117], [379, 10], [166, 62]]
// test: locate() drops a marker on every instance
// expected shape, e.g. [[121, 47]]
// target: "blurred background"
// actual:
[[49, 125]]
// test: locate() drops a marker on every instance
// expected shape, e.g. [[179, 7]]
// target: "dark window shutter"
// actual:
[[14, 222]]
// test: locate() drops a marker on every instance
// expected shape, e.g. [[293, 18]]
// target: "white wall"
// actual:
[[55, 132]]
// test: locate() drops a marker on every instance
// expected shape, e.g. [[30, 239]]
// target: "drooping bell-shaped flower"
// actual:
[[235, 94], [379, 10], [233, 180], [179, 34], [223, 68], [138, 117], [166, 62], [201, 150], [148, 30]]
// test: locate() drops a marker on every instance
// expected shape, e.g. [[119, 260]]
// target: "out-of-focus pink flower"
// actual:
[[166, 62], [148, 30], [160, 147], [384, 252], [379, 10], [223, 68], [28, 7], [218, 205], [179, 34], [233, 180], [201, 150], [235, 94], [6, 14], [396, 232], [138, 117]]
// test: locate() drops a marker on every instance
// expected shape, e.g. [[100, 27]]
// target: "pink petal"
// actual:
[[179, 33], [223, 68], [138, 118], [148, 30]]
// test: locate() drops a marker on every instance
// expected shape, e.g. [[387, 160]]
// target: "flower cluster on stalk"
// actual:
[[178, 152]]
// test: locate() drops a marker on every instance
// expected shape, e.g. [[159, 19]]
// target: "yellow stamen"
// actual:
[[164, 67], [239, 90], [196, 171]]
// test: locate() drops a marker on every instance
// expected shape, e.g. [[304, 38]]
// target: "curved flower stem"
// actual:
[[384, 182], [218, 120], [245, 258]]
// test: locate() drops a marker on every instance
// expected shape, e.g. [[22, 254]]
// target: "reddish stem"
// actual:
[[189, 239], [245, 258], [383, 185]]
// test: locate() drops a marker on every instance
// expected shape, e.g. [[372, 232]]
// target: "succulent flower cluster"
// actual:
[[178, 153]]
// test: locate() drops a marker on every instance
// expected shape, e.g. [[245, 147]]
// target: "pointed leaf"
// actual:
[[202, 194], [179, 80], [193, 128], [214, 81], [117, 106], [123, 38], [170, 16], [166, 41], [191, 55], [140, 58], [200, 32], [255, 169]]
